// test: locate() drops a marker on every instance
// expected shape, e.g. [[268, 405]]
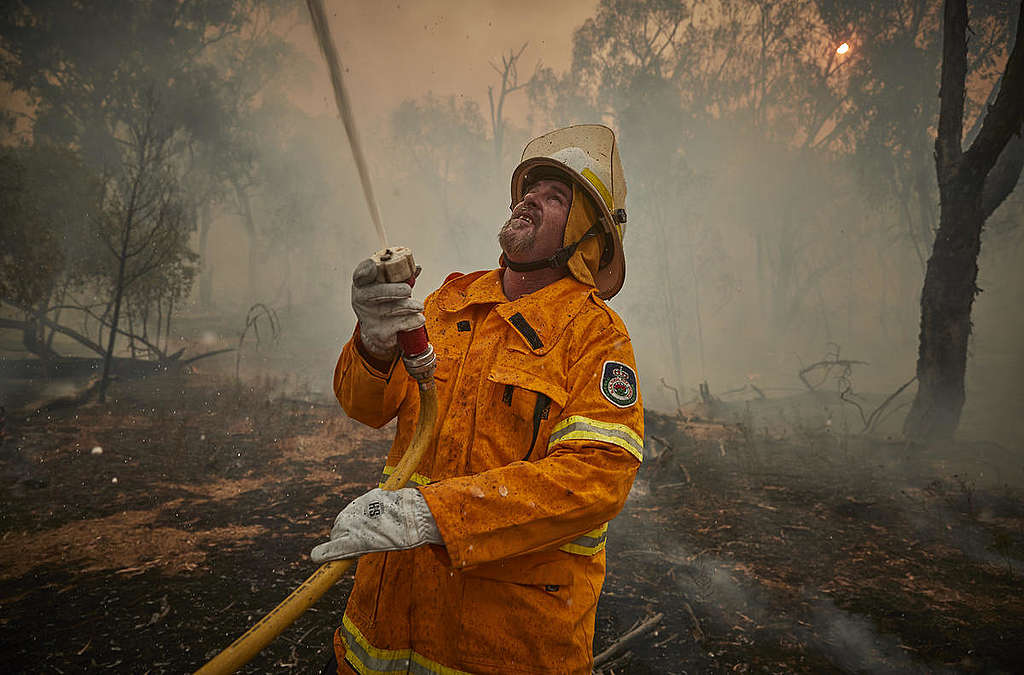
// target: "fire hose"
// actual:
[[394, 264]]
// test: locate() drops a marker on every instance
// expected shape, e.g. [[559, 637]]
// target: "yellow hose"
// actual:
[[241, 651]]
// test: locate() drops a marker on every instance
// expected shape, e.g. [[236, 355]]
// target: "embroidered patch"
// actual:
[[618, 384]]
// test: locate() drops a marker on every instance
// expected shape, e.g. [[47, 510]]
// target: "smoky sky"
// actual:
[[748, 257]]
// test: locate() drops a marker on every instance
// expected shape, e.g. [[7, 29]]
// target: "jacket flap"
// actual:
[[504, 374], [547, 568]]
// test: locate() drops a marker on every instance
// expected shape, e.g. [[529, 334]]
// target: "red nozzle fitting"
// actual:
[[396, 264]]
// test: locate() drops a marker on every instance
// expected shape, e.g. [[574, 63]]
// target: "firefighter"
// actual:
[[491, 559]]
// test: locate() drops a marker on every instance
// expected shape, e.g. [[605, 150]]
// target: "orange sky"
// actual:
[[396, 50]]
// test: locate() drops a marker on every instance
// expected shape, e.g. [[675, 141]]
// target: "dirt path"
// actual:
[[763, 555]]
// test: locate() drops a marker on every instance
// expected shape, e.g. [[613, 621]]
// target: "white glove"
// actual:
[[380, 520], [383, 310]]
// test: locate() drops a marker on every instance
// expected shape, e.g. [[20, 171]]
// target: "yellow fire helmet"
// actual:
[[588, 156]]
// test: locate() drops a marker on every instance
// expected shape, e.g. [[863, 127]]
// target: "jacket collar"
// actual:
[[539, 318]]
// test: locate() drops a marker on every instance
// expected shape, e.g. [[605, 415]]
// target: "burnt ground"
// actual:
[[805, 553]]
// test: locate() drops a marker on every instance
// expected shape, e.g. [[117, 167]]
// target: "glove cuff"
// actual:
[[381, 364], [426, 526]]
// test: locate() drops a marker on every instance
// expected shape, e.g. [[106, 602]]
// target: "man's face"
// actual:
[[537, 226]]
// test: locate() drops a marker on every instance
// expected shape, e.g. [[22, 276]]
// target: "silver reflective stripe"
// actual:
[[582, 428], [591, 542], [588, 544], [364, 663]]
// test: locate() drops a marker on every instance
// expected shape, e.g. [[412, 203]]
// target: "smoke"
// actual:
[[854, 645], [748, 255]]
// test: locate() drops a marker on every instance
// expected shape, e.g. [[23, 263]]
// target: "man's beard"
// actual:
[[515, 242]]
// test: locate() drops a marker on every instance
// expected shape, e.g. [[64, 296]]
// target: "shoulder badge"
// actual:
[[618, 384]]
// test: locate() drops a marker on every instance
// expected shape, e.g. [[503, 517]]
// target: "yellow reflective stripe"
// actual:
[[590, 543], [360, 651], [582, 428], [596, 182], [608, 426], [370, 660], [416, 479]]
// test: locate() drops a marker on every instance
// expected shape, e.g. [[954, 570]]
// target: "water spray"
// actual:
[[394, 264]]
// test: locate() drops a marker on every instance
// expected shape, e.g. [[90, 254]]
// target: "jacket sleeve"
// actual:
[[595, 449], [368, 395]]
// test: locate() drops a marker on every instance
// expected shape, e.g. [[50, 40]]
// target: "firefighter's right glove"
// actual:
[[380, 520], [383, 310]]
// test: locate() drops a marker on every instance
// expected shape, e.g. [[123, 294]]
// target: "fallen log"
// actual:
[[14, 324]]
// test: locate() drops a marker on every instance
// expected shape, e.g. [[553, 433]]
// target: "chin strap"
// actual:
[[556, 260]]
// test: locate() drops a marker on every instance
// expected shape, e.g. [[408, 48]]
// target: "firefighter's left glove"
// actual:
[[380, 520]]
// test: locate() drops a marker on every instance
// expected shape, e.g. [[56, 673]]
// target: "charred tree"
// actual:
[[972, 183], [509, 73], [144, 227]]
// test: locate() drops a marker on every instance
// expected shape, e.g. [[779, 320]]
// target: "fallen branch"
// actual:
[[74, 335], [696, 631], [662, 442], [620, 644], [252, 323], [208, 354], [828, 365], [83, 339], [874, 418], [73, 400], [668, 447], [679, 403]]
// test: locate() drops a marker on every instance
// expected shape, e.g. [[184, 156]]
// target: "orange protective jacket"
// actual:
[[538, 439]]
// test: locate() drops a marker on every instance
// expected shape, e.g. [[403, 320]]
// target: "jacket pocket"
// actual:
[[518, 619], [520, 406]]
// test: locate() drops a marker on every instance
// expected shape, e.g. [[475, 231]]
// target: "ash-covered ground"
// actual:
[[805, 551]]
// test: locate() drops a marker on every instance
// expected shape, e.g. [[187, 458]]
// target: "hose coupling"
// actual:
[[421, 366]]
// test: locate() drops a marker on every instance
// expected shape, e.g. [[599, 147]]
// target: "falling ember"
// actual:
[[843, 48]]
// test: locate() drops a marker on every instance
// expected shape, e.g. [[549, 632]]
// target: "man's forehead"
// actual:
[[559, 184]]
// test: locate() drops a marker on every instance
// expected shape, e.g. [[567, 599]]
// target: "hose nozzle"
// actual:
[[395, 264]]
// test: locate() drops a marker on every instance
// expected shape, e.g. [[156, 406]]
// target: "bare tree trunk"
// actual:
[[118, 296], [56, 315], [159, 322], [946, 301], [245, 206], [206, 269], [131, 332], [951, 278], [509, 73], [167, 331]]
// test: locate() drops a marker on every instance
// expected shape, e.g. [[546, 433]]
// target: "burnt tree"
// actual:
[[972, 183]]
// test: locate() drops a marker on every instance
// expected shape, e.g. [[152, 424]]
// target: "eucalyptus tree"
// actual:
[[132, 88], [973, 182]]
